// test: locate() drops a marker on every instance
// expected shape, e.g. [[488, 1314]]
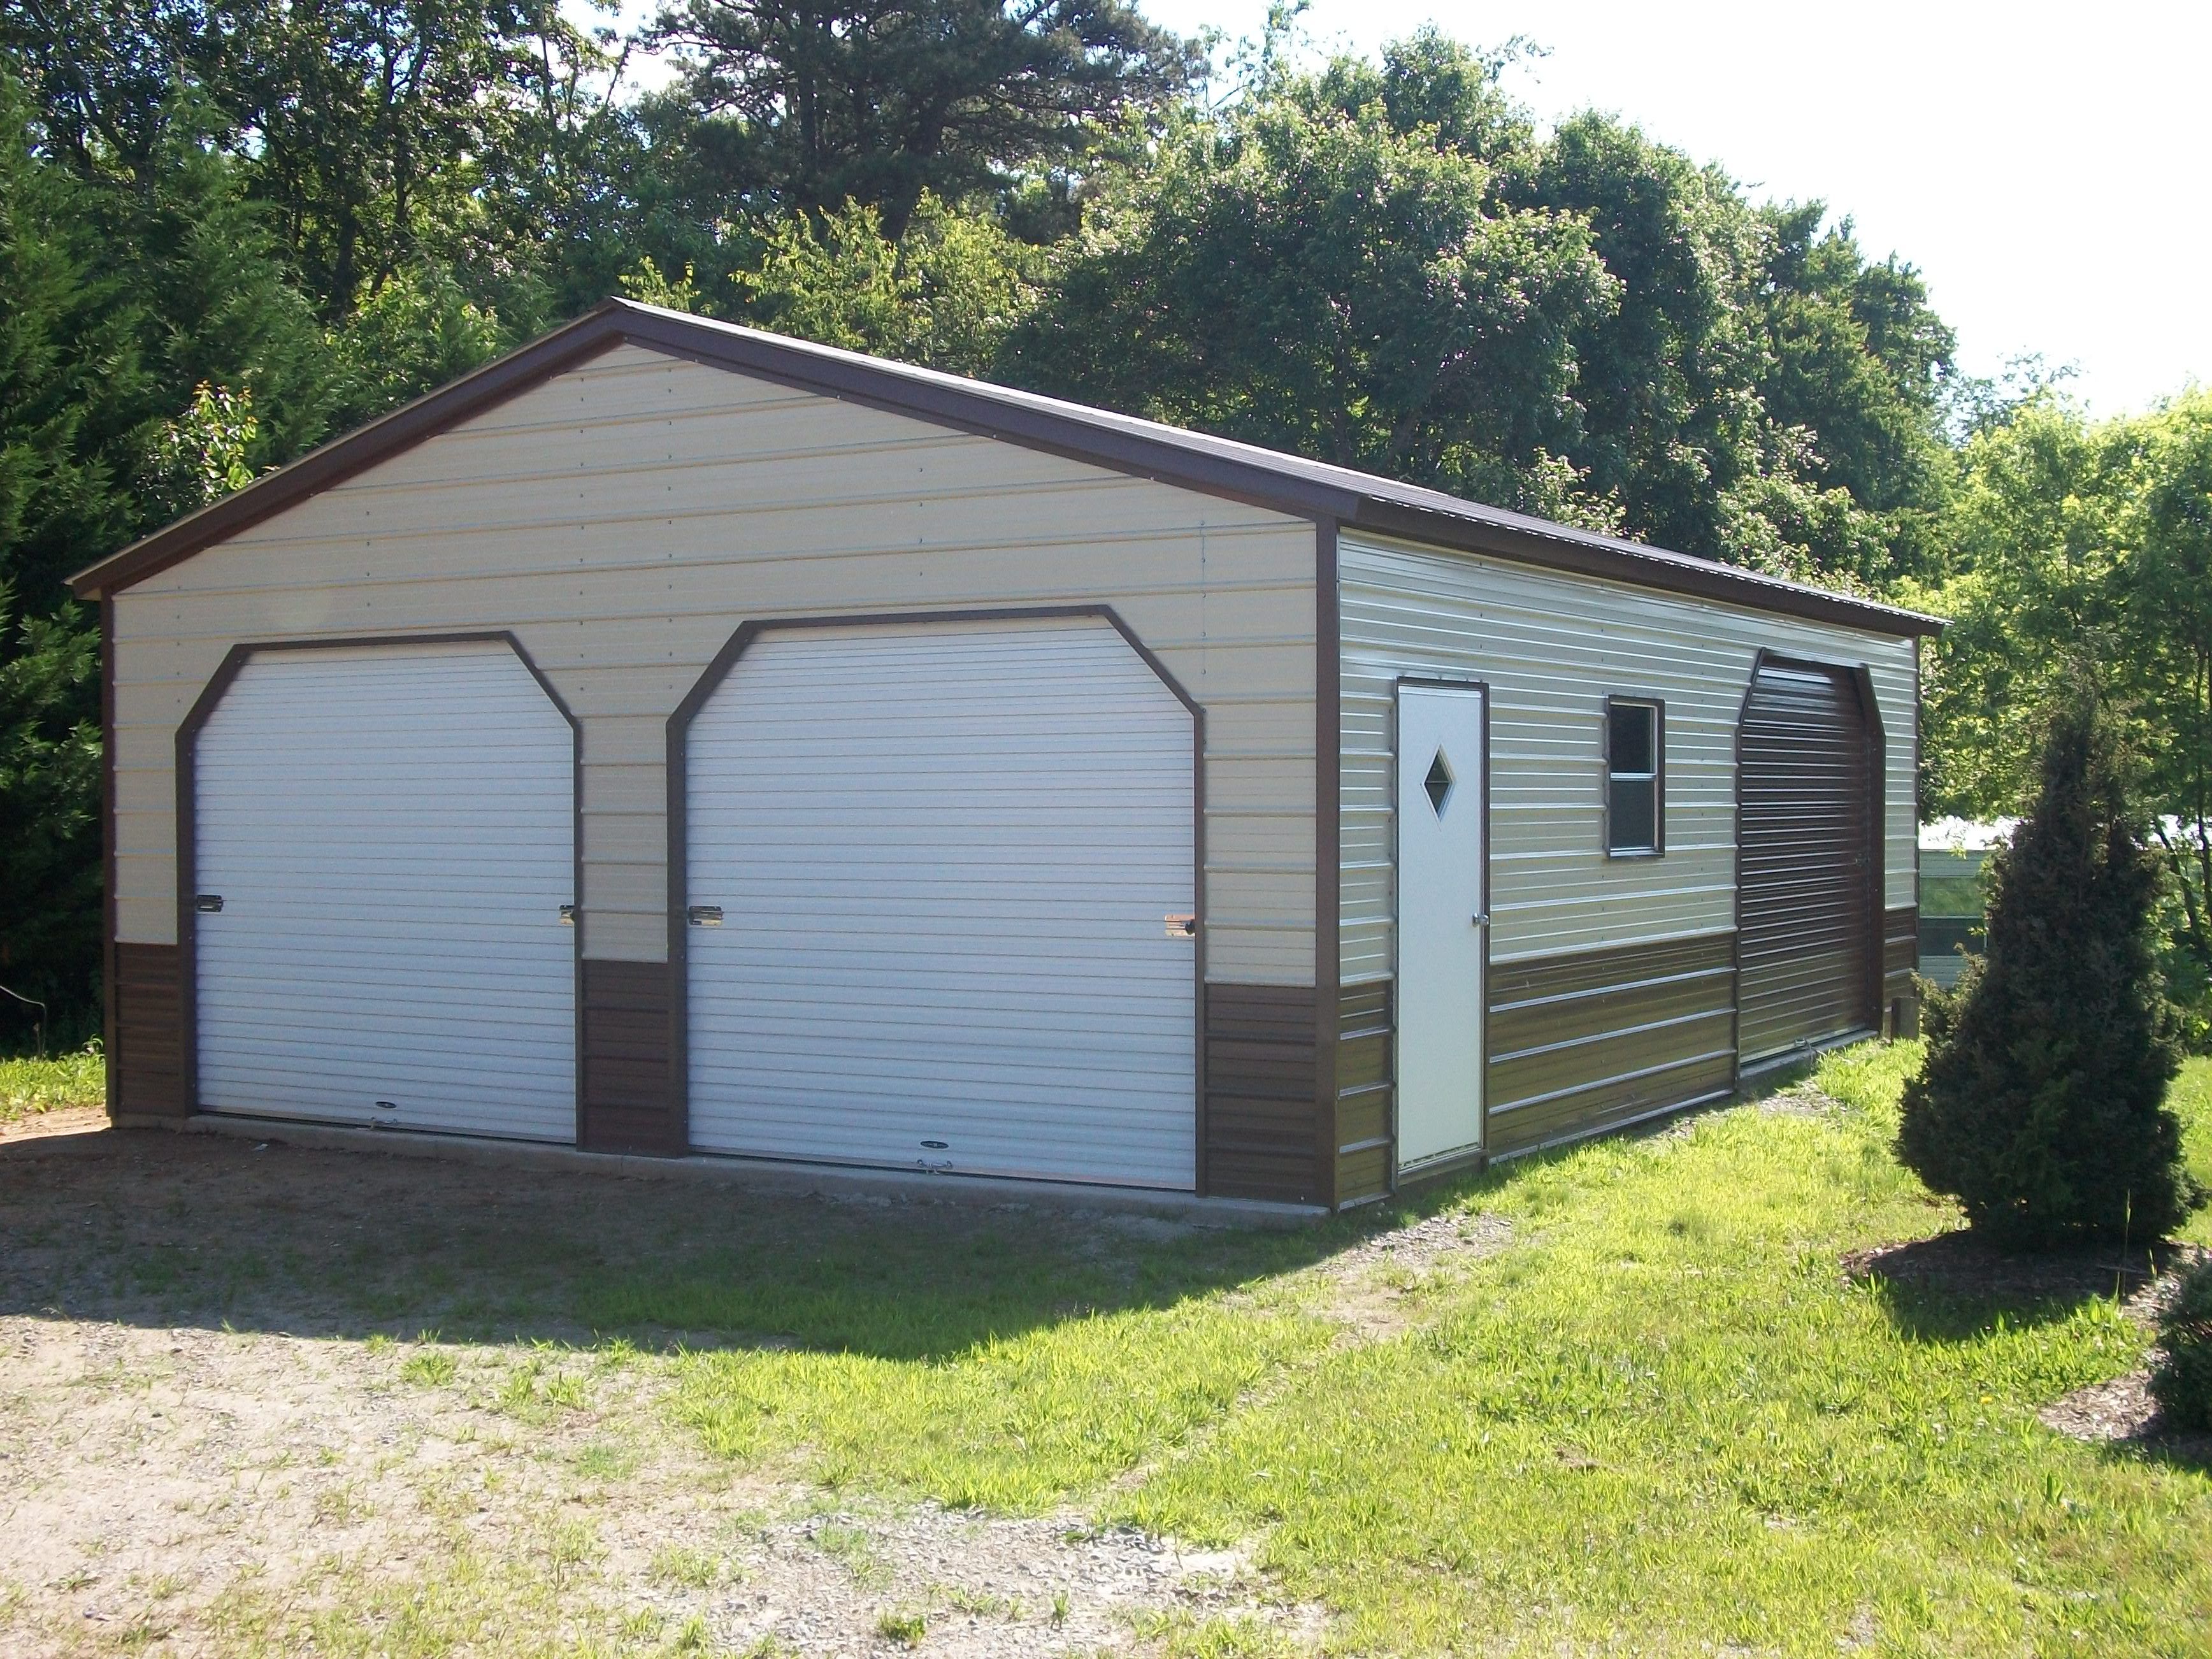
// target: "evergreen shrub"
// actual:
[[2041, 1105], [2181, 1374]]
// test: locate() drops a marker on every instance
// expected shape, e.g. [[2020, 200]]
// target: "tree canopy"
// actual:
[[229, 232]]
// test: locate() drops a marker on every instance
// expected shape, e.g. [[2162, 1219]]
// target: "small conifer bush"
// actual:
[[2181, 1374], [2042, 1102]]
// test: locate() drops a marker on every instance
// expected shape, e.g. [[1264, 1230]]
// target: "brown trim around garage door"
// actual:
[[203, 707], [679, 727]]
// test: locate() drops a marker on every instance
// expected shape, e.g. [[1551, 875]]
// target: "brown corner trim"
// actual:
[[187, 826], [107, 915], [1328, 855], [678, 814]]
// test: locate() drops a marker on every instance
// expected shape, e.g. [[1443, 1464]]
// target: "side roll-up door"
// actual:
[[940, 872], [1805, 864], [384, 841]]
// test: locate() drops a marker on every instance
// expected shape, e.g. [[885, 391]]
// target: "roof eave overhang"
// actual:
[[1037, 424]]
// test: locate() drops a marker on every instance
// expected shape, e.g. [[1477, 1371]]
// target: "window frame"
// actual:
[[1657, 775]]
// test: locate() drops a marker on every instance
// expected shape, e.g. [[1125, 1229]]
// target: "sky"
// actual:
[[2048, 169]]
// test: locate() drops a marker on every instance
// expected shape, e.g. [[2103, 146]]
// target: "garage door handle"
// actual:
[[208, 904], [704, 916]]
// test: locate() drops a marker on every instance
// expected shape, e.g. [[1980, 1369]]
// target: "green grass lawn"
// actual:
[[1661, 1422], [31, 1086]]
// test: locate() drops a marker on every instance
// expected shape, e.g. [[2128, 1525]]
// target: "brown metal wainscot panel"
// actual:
[[1591, 1040], [1261, 1117], [628, 1105], [149, 1058], [1365, 1077]]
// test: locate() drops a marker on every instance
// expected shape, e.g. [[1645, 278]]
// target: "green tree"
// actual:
[[71, 339], [2075, 541], [477, 134], [1657, 355], [152, 355], [1297, 274], [943, 296], [2164, 599], [803, 107], [2042, 1102], [2029, 540]]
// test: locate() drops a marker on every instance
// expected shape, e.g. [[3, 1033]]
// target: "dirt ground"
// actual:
[[205, 1442]]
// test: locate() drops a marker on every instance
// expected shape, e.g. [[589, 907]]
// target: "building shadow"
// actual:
[[163, 1229]]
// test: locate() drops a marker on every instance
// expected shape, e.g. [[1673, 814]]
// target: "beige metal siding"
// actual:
[[1552, 646], [622, 519]]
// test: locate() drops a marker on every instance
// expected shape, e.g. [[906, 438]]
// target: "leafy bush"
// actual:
[[2181, 1375], [30, 1086], [2042, 1105]]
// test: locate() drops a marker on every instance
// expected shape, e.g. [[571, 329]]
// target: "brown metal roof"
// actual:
[[1219, 466]]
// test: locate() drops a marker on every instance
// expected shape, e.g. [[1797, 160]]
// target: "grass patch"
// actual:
[[683, 1567], [905, 1626], [1661, 1422], [28, 1087], [432, 1369]]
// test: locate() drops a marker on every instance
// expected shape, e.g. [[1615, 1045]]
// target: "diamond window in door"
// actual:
[[1438, 783]]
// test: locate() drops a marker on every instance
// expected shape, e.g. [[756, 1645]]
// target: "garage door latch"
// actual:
[[208, 904], [705, 915], [1180, 926]]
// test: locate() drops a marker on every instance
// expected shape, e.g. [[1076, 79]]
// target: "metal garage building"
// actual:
[[675, 738]]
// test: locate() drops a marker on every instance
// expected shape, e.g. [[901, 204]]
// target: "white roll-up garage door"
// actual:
[[945, 859], [390, 834]]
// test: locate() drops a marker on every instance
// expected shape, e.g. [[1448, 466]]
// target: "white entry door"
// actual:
[[938, 876], [385, 839], [1441, 768]]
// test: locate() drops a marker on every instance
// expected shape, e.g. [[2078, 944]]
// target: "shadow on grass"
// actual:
[[163, 1229], [2172, 1448], [1954, 1287]]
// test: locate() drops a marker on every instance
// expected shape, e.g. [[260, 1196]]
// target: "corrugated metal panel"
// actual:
[[1551, 648], [1806, 939], [392, 835], [1593, 1039], [945, 858], [625, 519], [1262, 1137], [146, 1062]]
